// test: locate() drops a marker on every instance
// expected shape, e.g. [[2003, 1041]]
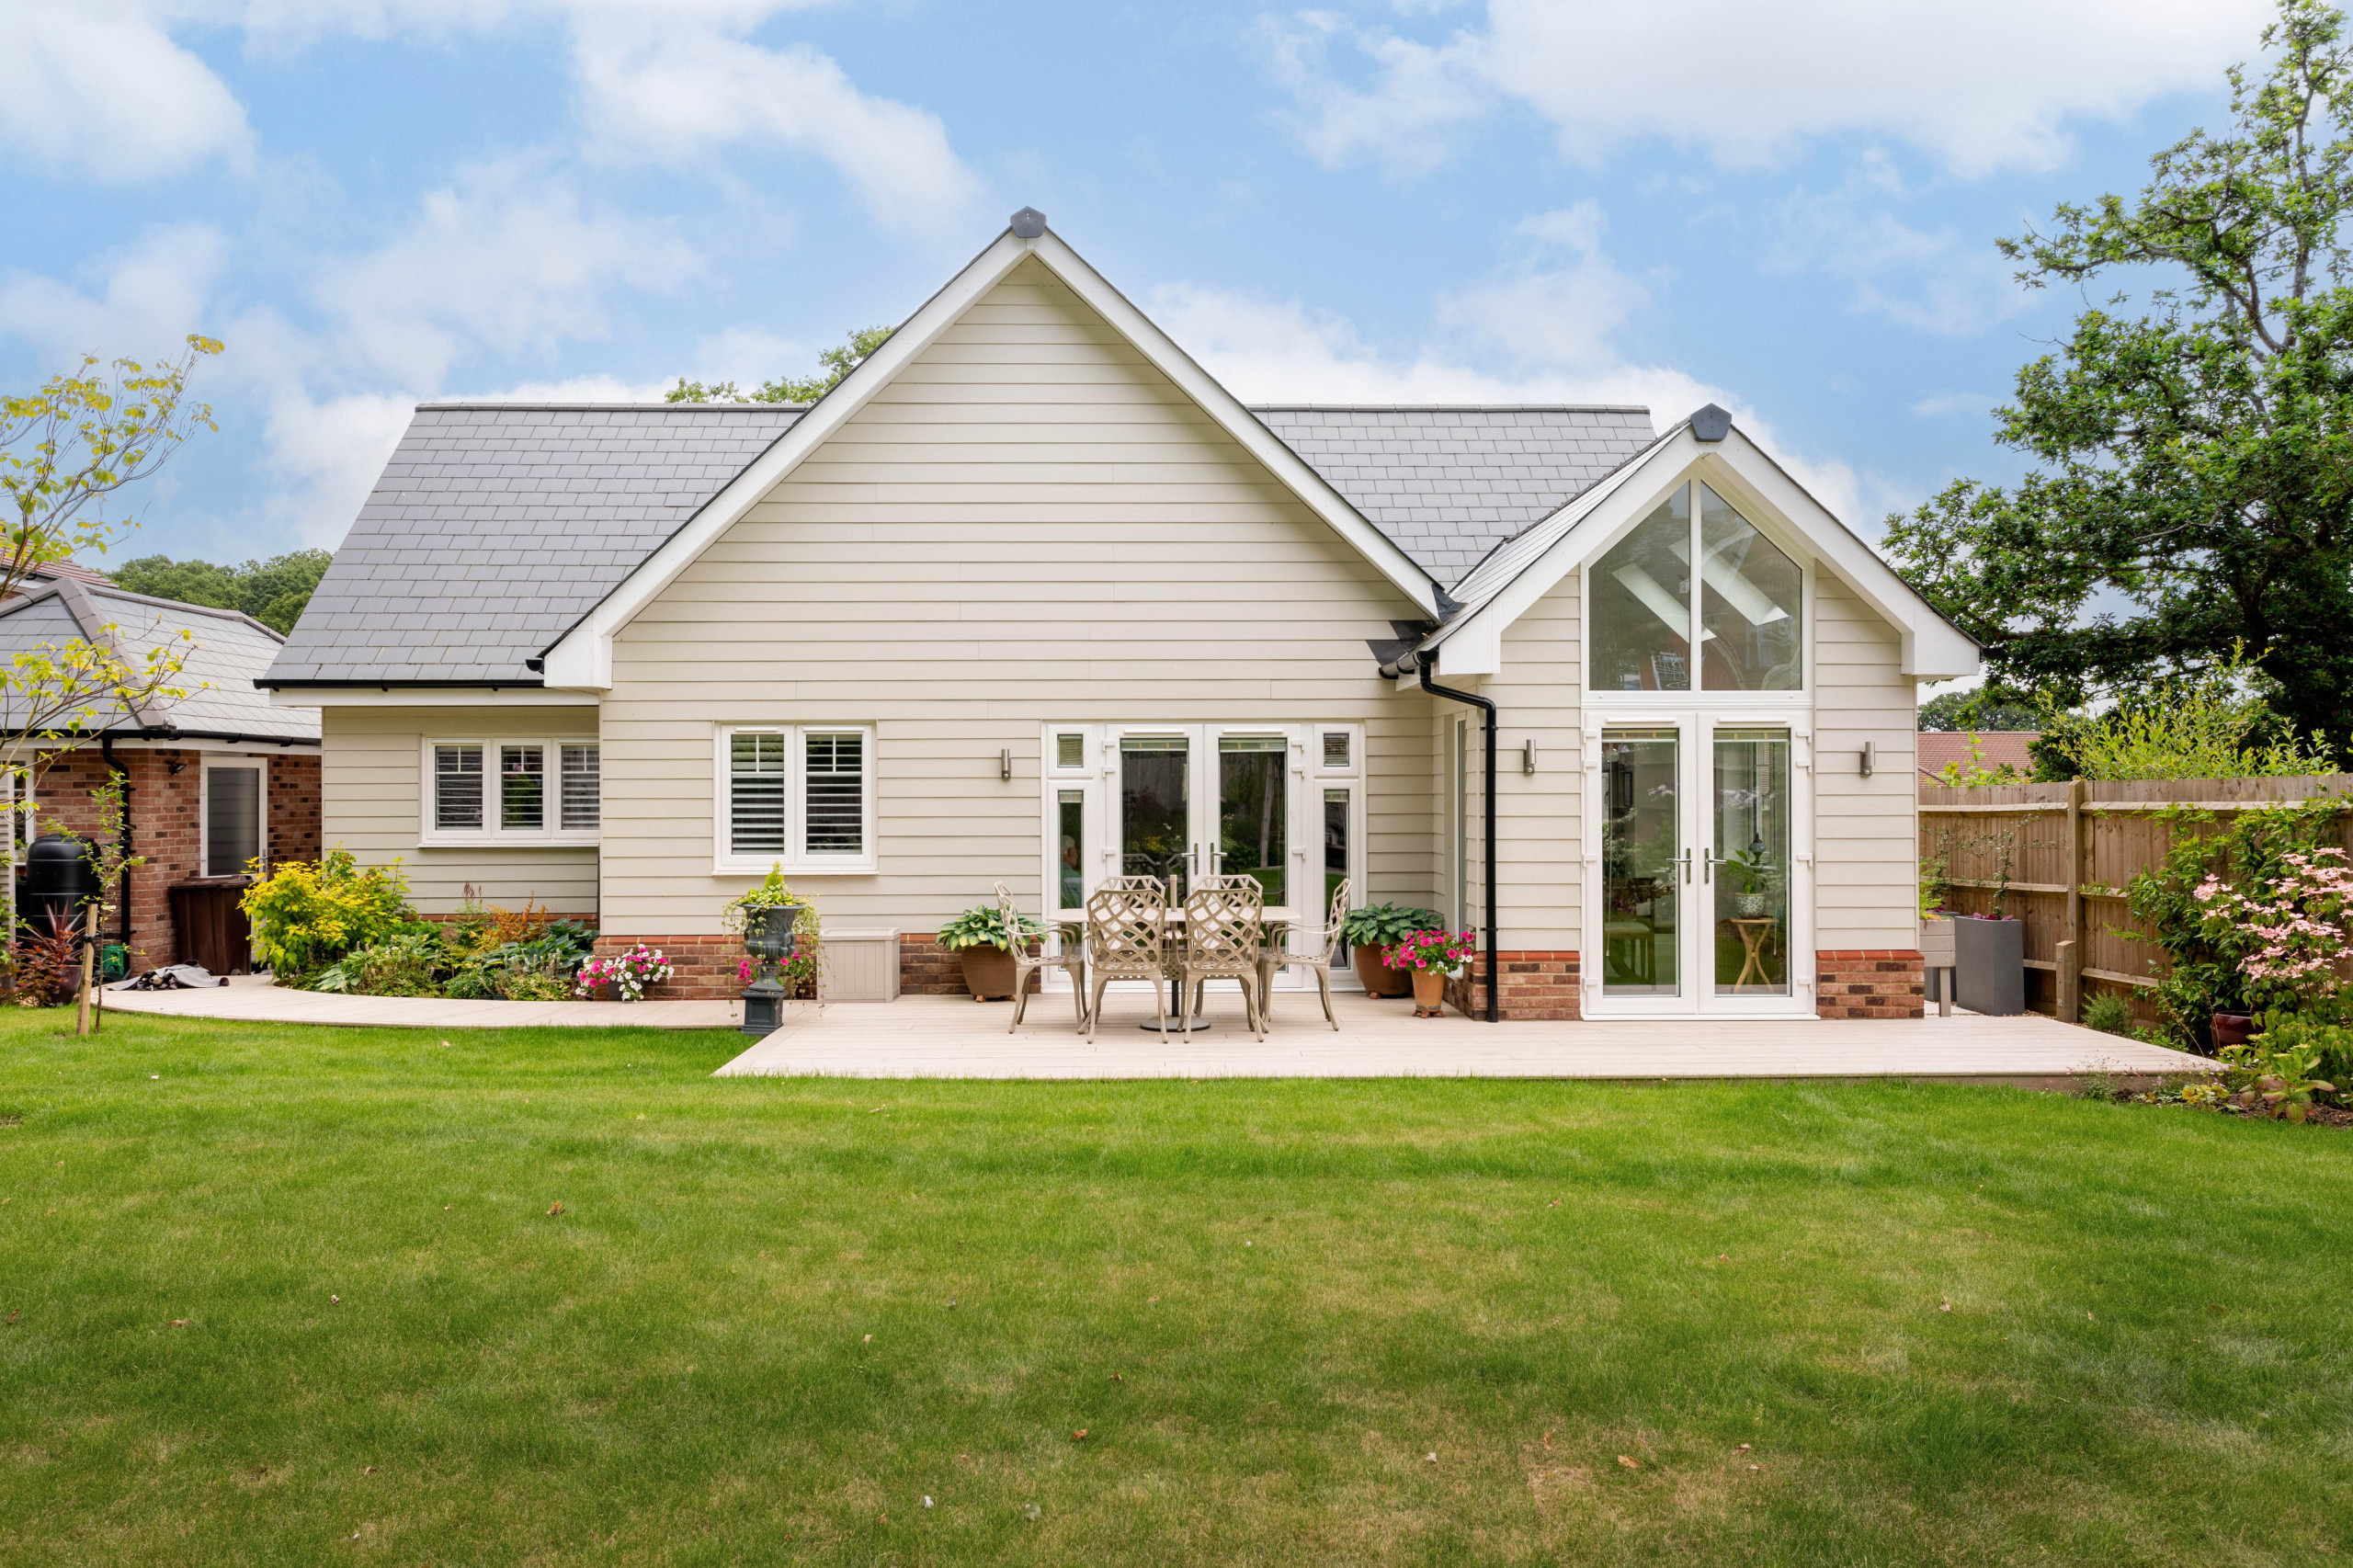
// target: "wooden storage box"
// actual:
[[860, 965]]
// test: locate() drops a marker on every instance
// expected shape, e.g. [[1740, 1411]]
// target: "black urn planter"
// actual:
[[1989, 958], [768, 941]]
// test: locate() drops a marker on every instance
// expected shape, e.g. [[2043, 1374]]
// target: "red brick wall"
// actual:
[[709, 967], [166, 826], [1536, 985], [926, 969], [1869, 982]]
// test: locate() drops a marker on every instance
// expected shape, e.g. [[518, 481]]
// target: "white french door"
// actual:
[[1699, 888]]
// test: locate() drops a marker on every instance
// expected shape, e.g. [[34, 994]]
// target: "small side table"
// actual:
[[1752, 937]]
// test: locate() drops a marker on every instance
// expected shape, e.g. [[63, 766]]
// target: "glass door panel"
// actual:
[[1253, 824], [1643, 862], [1749, 863], [1155, 839]]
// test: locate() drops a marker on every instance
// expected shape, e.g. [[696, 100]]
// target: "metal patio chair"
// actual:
[[1273, 957], [1127, 939], [1224, 928], [1024, 965]]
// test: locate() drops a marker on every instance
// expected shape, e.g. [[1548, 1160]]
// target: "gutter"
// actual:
[[1405, 660], [122, 911]]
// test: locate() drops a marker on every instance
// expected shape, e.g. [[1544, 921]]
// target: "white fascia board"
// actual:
[[1932, 648], [430, 696], [1472, 644], [1237, 421], [583, 658]]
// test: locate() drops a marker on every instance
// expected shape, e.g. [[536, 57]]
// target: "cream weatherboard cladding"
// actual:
[[1866, 830], [1028, 523], [374, 800]]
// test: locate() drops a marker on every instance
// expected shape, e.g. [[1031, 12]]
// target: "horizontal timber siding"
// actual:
[[1864, 829]]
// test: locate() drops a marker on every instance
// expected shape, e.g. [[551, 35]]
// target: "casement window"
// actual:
[[235, 835], [511, 792], [801, 795]]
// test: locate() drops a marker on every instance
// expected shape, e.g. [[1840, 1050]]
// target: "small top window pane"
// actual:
[[1069, 751], [1749, 606], [1335, 748], [1641, 604]]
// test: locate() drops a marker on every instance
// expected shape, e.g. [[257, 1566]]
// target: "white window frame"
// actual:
[[204, 812], [797, 860], [548, 833]]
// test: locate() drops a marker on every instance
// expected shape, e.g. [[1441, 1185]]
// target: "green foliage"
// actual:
[[2108, 1012], [273, 592], [1386, 925], [402, 965], [1932, 884], [2279, 1081], [982, 927], [837, 362], [800, 972], [2194, 462], [2204, 974], [2215, 724], [1987, 708], [306, 915], [2320, 1032]]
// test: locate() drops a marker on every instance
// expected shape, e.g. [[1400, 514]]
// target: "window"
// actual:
[[1747, 616], [547, 791], [1069, 751], [233, 833], [1336, 751], [799, 795]]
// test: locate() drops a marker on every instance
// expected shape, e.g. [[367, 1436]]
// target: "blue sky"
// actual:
[[1786, 208]]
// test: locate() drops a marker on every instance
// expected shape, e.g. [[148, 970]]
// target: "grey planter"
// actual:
[[1991, 966]]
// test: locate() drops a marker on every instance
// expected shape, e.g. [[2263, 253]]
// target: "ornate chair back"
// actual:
[[1332, 922], [1127, 931], [1222, 929]]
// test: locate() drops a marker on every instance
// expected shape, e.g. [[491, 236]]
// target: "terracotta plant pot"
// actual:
[[1429, 993], [1380, 980], [988, 973], [2233, 1028]]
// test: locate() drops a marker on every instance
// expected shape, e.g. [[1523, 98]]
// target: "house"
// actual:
[[1993, 749], [213, 780], [1029, 597]]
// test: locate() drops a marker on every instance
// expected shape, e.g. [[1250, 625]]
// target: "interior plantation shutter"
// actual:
[[755, 793], [582, 788], [522, 788], [836, 783], [456, 785]]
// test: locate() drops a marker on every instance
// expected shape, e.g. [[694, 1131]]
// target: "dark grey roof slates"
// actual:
[[497, 526]]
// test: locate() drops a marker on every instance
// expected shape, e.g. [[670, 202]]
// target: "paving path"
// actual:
[[946, 1037]]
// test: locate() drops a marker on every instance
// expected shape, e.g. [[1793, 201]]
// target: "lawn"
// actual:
[[277, 1296]]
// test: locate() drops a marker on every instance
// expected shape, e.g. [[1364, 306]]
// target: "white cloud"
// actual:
[[574, 389], [1939, 281], [1945, 406], [153, 295], [1979, 84], [504, 257], [1561, 300], [102, 90], [651, 89]]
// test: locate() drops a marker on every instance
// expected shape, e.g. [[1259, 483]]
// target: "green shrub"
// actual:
[[406, 964], [547, 980], [2108, 1013], [1386, 925], [982, 927], [305, 915]]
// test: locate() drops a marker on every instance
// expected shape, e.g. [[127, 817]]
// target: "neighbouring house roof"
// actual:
[[496, 527], [1939, 749], [222, 659]]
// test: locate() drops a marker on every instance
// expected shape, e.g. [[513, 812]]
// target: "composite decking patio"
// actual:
[[946, 1037]]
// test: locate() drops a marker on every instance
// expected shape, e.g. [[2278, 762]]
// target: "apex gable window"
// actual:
[[1744, 620], [512, 792], [798, 794]]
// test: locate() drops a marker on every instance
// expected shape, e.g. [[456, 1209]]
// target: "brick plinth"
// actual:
[[166, 828], [709, 967], [926, 969], [1869, 983], [1535, 986]]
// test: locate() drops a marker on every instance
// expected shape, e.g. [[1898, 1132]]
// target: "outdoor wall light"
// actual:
[[1868, 761], [1528, 757], [1004, 763]]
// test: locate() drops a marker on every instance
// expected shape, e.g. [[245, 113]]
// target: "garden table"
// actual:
[[1275, 922]]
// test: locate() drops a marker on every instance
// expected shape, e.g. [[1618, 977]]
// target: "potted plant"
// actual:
[[1372, 932], [1755, 870], [980, 937], [1432, 955], [798, 974]]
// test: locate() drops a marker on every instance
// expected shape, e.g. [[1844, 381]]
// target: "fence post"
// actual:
[[2071, 947], [2071, 983]]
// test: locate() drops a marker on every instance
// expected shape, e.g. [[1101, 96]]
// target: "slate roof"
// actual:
[[1449, 483], [497, 526], [220, 662]]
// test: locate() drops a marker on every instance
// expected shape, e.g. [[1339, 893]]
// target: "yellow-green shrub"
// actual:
[[305, 915]]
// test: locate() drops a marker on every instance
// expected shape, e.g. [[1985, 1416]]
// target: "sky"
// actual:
[[1790, 208]]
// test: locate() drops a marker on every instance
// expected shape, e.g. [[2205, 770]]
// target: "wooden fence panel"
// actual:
[[2070, 850]]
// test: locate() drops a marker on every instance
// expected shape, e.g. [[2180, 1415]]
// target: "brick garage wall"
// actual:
[[166, 826], [1869, 983], [1535, 986]]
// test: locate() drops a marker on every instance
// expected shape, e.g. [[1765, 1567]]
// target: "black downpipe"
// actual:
[[1486, 706], [122, 914]]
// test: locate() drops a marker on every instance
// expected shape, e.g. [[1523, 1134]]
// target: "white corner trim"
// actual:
[[1933, 649], [583, 658]]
